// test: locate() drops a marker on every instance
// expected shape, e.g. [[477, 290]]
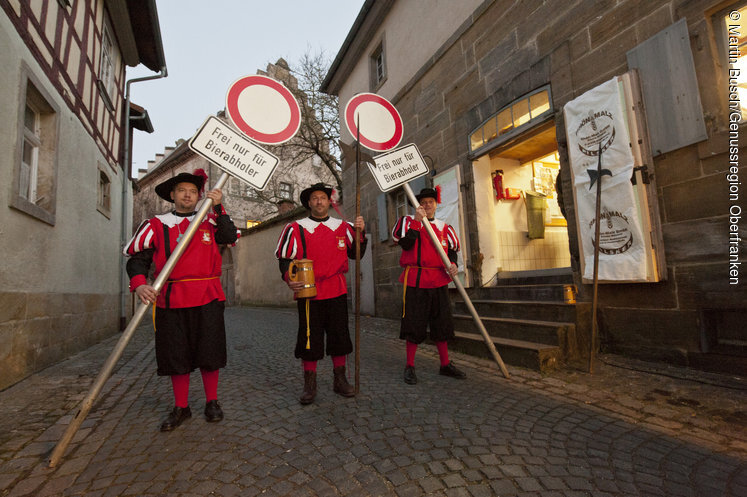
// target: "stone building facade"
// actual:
[[466, 66], [63, 108]]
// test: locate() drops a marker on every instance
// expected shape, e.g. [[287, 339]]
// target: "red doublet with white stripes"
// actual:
[[327, 244], [195, 280], [426, 268]]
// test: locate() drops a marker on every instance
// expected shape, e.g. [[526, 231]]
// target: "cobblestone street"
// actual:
[[621, 431]]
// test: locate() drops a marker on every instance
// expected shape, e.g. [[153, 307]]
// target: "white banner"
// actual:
[[592, 120], [448, 209]]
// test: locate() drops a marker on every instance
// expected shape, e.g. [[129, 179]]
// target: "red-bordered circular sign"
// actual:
[[263, 109], [381, 124]]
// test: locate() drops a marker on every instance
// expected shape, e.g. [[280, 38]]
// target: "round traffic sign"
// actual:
[[380, 124], [263, 109]]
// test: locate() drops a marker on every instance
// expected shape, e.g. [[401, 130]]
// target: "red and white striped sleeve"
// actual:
[[452, 237], [287, 247], [142, 240], [401, 227]]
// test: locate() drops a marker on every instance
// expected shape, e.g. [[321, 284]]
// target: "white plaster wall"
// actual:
[[9, 95], [495, 216], [258, 278], [80, 254], [486, 220], [408, 45], [511, 214]]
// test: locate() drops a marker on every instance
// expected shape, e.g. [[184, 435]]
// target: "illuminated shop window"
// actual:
[[509, 121], [250, 223]]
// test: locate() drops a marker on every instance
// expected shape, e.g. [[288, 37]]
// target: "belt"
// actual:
[[179, 281]]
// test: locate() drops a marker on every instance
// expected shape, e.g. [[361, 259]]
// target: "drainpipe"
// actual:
[[125, 235]]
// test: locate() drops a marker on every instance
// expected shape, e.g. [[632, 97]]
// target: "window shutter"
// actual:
[[382, 217], [670, 89]]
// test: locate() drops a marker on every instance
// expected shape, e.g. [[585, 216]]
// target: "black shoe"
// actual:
[[213, 412], [410, 377], [176, 417], [451, 370]]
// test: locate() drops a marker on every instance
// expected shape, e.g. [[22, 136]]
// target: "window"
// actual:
[[103, 202], [509, 121], [105, 82], [285, 191], [233, 186], [35, 177], [30, 155], [378, 66], [250, 223], [249, 192], [401, 204]]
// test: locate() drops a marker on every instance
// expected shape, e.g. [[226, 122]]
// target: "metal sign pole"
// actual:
[[460, 287], [106, 371], [357, 260], [596, 263]]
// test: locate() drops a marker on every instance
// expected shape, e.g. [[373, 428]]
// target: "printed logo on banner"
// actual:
[[597, 128], [617, 238]]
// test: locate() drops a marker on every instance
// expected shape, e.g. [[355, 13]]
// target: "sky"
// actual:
[[209, 45]]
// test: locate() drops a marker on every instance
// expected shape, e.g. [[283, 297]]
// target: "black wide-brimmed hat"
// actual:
[[435, 194], [318, 187], [198, 179]]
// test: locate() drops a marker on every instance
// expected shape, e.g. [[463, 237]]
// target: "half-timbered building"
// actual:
[[67, 124]]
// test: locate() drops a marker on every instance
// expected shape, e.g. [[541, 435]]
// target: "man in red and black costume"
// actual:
[[425, 295], [190, 332], [329, 242]]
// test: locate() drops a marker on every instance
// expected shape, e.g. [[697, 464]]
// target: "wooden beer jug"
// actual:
[[303, 270]]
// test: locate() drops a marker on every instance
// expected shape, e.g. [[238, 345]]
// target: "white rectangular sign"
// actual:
[[234, 153], [397, 167]]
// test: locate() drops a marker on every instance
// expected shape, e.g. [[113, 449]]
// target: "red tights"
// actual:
[[443, 352], [180, 384]]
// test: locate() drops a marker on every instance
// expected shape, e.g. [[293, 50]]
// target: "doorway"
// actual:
[[520, 223]]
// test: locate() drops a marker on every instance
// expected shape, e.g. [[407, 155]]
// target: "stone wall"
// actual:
[[39, 329]]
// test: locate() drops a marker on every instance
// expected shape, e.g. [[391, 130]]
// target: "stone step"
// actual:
[[557, 334], [547, 292], [536, 356], [541, 276], [521, 309]]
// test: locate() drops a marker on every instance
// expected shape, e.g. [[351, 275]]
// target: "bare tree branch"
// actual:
[[320, 125]]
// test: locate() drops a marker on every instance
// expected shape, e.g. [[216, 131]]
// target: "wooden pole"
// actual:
[[106, 371], [357, 259], [458, 284], [597, 215]]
